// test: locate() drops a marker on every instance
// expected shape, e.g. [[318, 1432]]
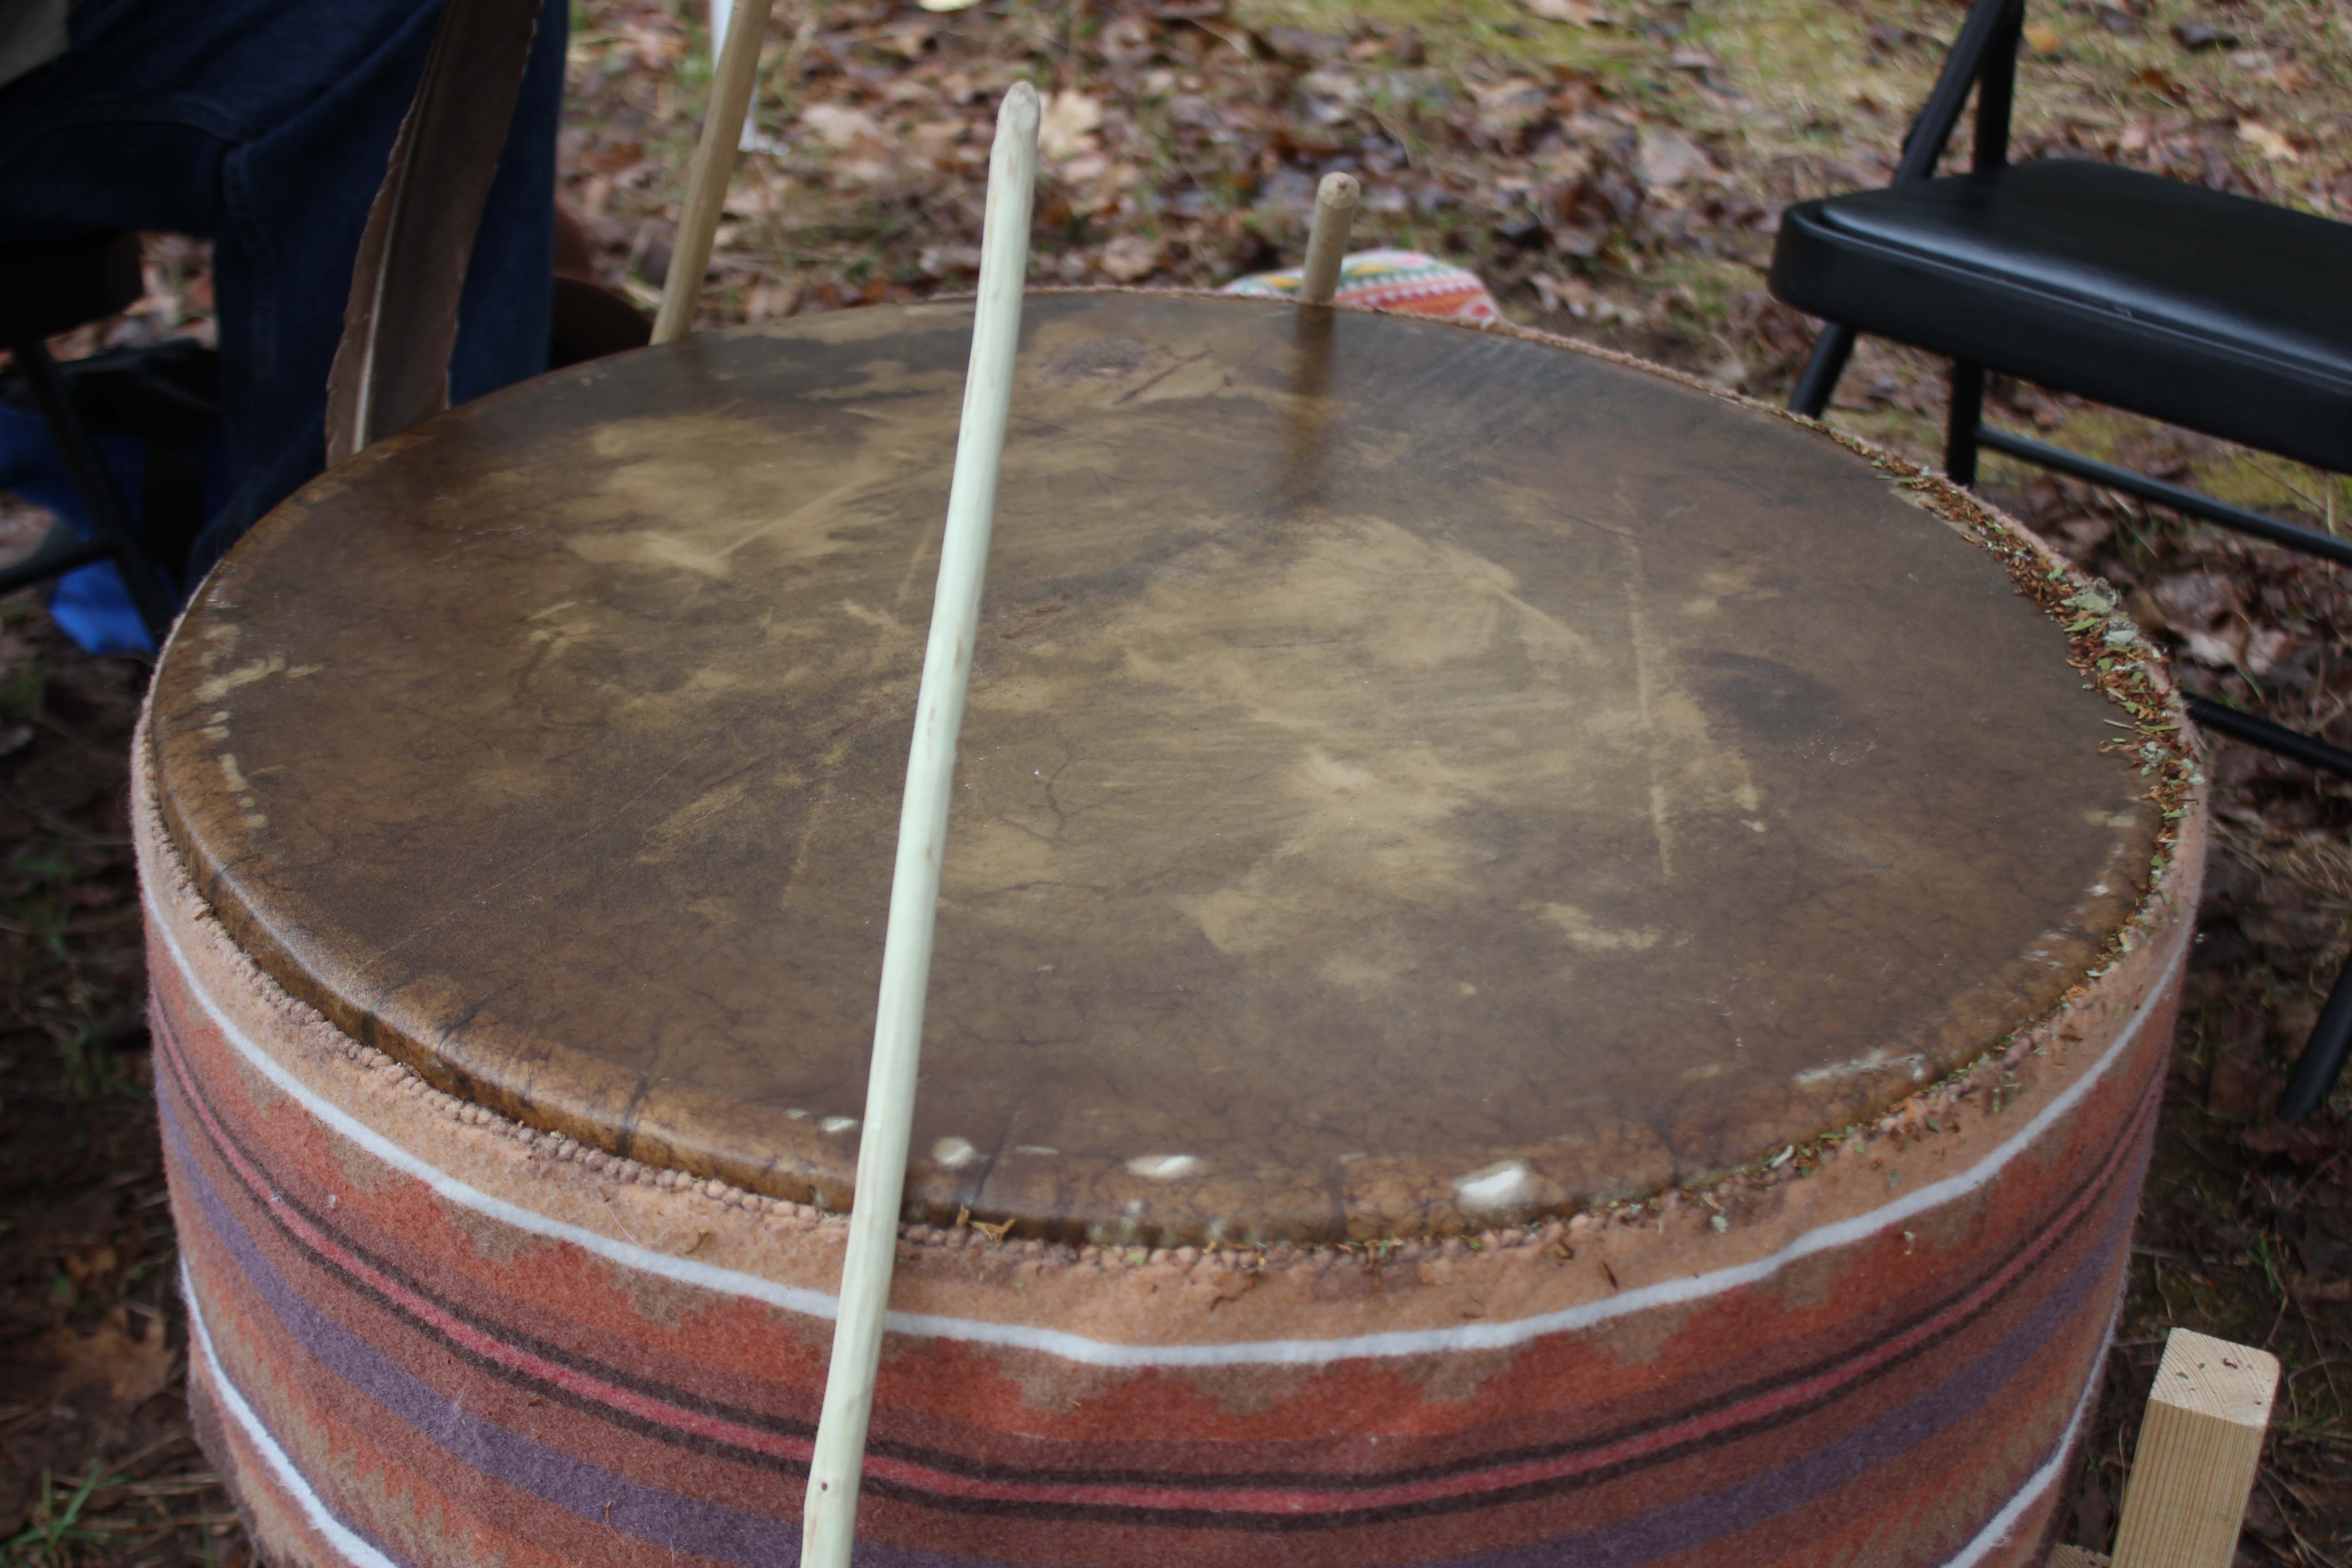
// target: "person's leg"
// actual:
[[128, 128], [291, 281], [294, 198], [267, 127]]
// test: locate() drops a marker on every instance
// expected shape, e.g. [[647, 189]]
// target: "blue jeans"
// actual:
[[265, 126]]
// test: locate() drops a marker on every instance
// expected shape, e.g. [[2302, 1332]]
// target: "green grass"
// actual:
[[55, 1527]]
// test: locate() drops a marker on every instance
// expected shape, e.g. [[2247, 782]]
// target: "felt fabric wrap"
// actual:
[[424, 1335]]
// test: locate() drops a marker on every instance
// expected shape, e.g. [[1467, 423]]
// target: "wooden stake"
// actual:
[[2200, 1446], [714, 164], [829, 1515], [1326, 244]]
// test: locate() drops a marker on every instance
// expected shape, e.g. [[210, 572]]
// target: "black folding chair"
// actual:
[[2207, 310], [47, 289]]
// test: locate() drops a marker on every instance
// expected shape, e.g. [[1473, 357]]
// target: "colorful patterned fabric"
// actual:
[[423, 1335], [1402, 281]]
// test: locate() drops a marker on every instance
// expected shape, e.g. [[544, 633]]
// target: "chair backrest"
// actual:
[[1984, 57]]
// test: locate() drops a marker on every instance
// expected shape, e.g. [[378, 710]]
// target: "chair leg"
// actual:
[[1960, 425], [2323, 1059], [110, 519], [1831, 352]]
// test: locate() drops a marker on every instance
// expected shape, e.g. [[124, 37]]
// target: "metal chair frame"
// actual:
[[1984, 60], [112, 536]]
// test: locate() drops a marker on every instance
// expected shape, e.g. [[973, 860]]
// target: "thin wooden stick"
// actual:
[[720, 12], [829, 1515], [714, 164], [1326, 244]]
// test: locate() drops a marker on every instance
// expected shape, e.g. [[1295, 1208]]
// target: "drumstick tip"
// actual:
[[1018, 114], [1327, 242], [1339, 191]]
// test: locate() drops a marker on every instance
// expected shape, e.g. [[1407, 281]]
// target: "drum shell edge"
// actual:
[[428, 1333]]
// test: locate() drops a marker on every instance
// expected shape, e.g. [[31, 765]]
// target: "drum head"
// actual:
[[1413, 779]]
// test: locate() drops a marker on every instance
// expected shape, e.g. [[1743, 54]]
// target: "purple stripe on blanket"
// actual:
[[687, 1524], [1679, 1527], [658, 1517]]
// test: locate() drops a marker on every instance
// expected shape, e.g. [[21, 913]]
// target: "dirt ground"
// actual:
[[1613, 168]]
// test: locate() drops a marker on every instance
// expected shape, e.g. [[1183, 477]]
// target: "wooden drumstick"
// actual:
[[1326, 244], [829, 1516], [714, 164]]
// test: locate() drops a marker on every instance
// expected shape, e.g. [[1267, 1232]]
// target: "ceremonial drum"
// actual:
[[1539, 964]]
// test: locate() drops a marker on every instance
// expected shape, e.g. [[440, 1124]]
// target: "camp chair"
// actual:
[[47, 289], [2211, 311]]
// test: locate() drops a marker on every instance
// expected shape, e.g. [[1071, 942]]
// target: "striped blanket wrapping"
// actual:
[[422, 1336]]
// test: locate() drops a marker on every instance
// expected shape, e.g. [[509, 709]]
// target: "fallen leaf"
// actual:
[[949, 260], [2196, 596], [2207, 649], [2266, 649], [2267, 141], [2043, 38], [771, 301], [1067, 126], [1667, 158], [2308, 1143], [1562, 293], [1509, 109], [908, 42], [1577, 13], [656, 49], [84, 1269], [2322, 1234], [1333, 89], [755, 198], [1126, 41], [131, 1360], [837, 126], [2241, 1084], [1131, 257]]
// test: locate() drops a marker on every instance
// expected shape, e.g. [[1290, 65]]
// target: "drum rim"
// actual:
[[666, 1111]]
